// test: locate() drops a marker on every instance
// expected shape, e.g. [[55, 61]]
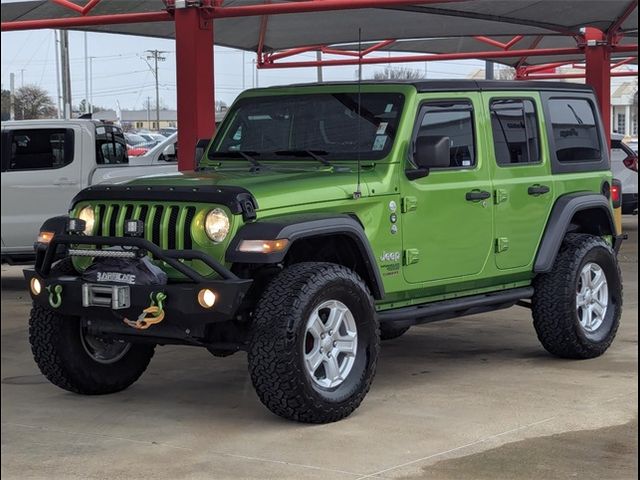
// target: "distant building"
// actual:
[[624, 109], [146, 120]]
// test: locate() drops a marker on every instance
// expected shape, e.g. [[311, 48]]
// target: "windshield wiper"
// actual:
[[247, 155], [315, 154]]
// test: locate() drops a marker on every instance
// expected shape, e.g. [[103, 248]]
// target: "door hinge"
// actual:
[[501, 196], [411, 256], [409, 204], [502, 244]]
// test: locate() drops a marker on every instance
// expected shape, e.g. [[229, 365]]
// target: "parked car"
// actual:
[[45, 163], [154, 138], [167, 131], [624, 165], [163, 153], [323, 219]]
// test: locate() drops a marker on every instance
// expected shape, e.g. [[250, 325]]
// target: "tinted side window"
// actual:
[[40, 149], [514, 124], [453, 120], [575, 130]]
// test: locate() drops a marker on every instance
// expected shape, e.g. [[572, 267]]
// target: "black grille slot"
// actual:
[[113, 221], [128, 212], [102, 211], [143, 213], [157, 220], [188, 219], [173, 230]]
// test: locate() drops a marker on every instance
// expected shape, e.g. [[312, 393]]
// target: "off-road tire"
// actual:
[[389, 332], [554, 301], [57, 350], [276, 360]]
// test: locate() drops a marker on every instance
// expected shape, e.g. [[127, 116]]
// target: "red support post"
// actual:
[[598, 74], [194, 80]]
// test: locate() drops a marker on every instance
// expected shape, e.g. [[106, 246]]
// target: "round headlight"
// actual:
[[217, 225], [87, 214]]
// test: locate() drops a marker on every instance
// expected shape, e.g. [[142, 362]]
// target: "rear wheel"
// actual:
[[80, 362], [577, 306], [314, 344]]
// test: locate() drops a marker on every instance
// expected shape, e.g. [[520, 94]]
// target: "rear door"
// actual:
[[40, 176], [521, 173]]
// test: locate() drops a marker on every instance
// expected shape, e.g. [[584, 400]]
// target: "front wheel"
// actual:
[[314, 344], [577, 306], [75, 360]]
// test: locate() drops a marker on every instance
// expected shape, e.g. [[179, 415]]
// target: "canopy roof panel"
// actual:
[[446, 26]]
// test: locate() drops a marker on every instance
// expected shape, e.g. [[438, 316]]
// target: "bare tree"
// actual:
[[6, 105], [32, 102], [505, 73], [398, 73]]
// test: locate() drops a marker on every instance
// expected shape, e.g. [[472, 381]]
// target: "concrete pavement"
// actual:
[[470, 398]]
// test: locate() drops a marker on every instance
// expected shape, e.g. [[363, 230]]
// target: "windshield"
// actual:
[[329, 124]]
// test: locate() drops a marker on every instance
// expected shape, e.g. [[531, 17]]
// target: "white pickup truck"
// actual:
[[46, 162]]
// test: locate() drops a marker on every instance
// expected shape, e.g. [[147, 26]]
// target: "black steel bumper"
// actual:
[[182, 310]]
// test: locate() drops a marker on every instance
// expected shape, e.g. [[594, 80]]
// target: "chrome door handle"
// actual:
[[65, 181]]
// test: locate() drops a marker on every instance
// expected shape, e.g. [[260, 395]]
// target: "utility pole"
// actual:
[[66, 74], [22, 77], [489, 71], [87, 104], [91, 83], [319, 71], [148, 110], [57, 49], [157, 56], [243, 73], [12, 103]]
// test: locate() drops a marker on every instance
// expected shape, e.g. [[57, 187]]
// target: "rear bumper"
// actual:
[[184, 318]]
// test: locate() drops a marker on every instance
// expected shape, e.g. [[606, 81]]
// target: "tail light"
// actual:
[[616, 193], [631, 162]]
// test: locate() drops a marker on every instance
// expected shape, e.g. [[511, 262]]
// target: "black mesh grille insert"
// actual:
[[188, 219], [173, 224], [157, 220], [115, 210]]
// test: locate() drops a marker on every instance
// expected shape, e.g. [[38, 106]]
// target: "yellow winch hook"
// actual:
[[151, 315]]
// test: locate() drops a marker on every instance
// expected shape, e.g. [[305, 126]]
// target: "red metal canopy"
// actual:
[[521, 33]]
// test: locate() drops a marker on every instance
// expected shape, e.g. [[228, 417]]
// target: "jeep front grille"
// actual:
[[168, 226]]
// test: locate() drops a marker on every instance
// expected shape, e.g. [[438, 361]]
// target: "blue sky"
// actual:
[[120, 72]]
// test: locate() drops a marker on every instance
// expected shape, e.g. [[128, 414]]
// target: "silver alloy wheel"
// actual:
[[330, 344], [101, 350], [592, 297]]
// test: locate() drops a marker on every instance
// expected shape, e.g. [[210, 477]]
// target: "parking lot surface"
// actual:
[[470, 398]]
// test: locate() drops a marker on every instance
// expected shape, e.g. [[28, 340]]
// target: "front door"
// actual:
[[521, 176], [39, 179], [447, 215]]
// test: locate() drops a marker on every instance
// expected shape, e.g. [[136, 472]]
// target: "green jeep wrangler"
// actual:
[[322, 219]]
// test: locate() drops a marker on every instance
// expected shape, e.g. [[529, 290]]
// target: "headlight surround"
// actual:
[[217, 225], [88, 215]]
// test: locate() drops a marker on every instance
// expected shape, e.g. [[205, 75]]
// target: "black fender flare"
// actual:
[[559, 224], [299, 226], [57, 225]]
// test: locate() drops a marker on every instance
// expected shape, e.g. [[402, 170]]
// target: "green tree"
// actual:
[[33, 102]]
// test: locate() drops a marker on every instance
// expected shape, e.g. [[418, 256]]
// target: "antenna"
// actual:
[[357, 194]]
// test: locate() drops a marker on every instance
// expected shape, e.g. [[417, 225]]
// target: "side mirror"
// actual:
[[169, 152], [201, 146], [432, 152]]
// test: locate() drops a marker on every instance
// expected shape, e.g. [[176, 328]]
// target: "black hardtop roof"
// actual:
[[461, 85]]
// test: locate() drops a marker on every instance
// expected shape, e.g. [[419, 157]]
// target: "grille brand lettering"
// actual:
[[116, 277]]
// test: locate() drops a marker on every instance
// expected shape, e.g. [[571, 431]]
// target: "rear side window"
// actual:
[[40, 149], [516, 137], [455, 121], [111, 147], [575, 130]]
